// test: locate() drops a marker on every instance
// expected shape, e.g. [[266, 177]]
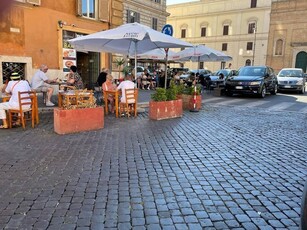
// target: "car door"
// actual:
[[269, 78]]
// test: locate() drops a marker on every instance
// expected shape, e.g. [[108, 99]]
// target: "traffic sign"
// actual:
[[167, 29]]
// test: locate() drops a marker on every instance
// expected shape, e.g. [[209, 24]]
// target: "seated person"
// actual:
[[146, 80], [126, 84], [102, 76], [74, 78], [41, 83], [14, 86], [108, 86]]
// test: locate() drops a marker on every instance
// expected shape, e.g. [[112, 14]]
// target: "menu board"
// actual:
[[69, 59]]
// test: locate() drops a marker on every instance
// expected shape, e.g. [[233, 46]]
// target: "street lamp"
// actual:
[[254, 48]]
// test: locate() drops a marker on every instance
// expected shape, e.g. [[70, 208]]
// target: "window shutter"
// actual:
[[79, 8], [34, 2], [103, 10], [128, 16], [138, 17]]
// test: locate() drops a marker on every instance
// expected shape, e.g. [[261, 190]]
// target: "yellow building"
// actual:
[[238, 28], [35, 32], [287, 45]]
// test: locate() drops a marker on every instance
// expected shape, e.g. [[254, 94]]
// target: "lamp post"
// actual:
[[254, 48]]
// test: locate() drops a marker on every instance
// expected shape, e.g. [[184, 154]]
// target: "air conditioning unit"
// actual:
[[34, 2]]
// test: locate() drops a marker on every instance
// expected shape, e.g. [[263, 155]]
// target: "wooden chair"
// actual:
[[130, 106], [27, 109]]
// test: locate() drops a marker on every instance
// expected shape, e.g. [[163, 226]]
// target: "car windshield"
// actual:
[[252, 71], [290, 73], [225, 72]]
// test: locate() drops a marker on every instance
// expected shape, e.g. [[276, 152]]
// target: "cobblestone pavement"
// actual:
[[220, 168]]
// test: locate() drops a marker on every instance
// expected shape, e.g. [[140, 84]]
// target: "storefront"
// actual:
[[88, 63]]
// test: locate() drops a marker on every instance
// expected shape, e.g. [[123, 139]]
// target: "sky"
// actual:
[[171, 2]]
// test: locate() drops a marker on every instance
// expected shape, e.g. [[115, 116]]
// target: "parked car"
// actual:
[[172, 71], [215, 79], [291, 79], [252, 80], [204, 72]]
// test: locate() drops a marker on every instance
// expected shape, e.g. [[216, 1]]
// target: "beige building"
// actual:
[[238, 28], [287, 45]]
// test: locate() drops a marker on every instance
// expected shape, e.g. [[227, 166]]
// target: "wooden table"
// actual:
[[71, 97], [116, 94]]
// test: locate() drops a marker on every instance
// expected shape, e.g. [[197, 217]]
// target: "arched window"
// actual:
[[248, 62], [279, 47]]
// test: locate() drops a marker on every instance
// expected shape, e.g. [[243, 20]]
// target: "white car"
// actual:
[[291, 79]]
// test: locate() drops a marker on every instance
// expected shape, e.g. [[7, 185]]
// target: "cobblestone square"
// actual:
[[220, 168]]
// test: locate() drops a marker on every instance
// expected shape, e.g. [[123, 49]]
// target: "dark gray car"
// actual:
[[256, 80]]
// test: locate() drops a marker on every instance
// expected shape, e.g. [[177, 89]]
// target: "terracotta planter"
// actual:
[[159, 110], [78, 120], [188, 101]]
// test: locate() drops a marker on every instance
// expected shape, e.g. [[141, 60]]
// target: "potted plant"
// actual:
[[191, 95], [165, 104], [119, 62]]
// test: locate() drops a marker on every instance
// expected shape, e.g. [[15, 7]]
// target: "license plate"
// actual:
[[287, 86], [239, 87]]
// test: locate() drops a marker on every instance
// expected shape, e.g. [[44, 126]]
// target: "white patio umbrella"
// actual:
[[200, 53], [127, 39], [156, 54]]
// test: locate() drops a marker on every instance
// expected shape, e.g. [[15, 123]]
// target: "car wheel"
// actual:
[[274, 91], [263, 92]]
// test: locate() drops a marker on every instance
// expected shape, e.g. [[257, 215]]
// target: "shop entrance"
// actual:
[[88, 68]]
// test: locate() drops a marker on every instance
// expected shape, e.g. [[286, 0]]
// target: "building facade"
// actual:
[[287, 45], [35, 32], [237, 28], [151, 13]]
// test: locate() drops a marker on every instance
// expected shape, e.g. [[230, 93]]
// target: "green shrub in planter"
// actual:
[[190, 90], [159, 95], [162, 94]]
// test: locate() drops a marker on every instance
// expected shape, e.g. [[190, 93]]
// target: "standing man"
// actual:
[[41, 83]]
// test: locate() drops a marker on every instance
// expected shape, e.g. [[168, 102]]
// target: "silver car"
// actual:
[[291, 79]]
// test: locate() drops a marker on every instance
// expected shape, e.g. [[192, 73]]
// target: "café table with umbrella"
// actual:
[[127, 39]]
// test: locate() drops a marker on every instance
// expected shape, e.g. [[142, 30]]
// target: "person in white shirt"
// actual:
[[41, 83], [13, 87], [127, 84]]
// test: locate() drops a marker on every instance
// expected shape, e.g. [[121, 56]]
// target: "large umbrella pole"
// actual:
[[165, 73], [135, 59]]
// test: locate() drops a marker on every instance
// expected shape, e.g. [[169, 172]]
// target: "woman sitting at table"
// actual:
[[74, 78], [109, 86]]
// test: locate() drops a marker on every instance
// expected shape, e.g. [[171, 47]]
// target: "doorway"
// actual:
[[301, 61], [88, 68]]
